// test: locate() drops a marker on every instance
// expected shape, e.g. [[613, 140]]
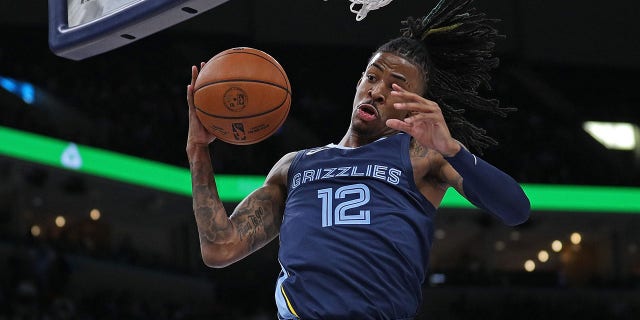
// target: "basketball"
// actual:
[[242, 96]]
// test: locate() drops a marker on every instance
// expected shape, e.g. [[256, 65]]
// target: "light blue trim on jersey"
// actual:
[[281, 302], [337, 146]]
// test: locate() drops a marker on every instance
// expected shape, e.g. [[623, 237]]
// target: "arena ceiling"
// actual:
[[588, 32]]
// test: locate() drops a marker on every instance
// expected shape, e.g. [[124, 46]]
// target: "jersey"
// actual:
[[356, 234]]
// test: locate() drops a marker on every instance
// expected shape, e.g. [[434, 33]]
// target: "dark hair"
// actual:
[[453, 45]]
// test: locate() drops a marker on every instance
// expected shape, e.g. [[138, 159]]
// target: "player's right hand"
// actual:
[[198, 134]]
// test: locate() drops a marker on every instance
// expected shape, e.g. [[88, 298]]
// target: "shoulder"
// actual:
[[279, 171], [284, 162]]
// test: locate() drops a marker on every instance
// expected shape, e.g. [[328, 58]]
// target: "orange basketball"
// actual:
[[242, 95]]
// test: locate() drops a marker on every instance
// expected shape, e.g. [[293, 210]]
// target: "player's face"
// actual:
[[373, 102]]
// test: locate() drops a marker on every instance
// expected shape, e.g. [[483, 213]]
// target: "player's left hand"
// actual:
[[426, 123]]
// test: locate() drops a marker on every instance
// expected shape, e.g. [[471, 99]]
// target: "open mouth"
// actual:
[[367, 112]]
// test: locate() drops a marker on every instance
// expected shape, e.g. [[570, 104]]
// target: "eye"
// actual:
[[371, 77]]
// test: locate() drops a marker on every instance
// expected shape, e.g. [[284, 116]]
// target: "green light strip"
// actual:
[[568, 198], [584, 198], [233, 188], [120, 167]]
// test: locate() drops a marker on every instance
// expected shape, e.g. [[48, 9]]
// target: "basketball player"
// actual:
[[355, 219]]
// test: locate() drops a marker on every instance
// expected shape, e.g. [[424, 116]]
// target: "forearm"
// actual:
[[214, 226], [491, 189]]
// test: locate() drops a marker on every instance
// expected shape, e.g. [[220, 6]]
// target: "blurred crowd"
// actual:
[[34, 285]]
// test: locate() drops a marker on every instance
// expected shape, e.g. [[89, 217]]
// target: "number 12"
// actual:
[[331, 216]]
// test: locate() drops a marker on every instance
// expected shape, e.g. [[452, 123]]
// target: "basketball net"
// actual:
[[366, 6]]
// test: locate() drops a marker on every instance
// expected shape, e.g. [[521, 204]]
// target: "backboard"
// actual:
[[79, 29]]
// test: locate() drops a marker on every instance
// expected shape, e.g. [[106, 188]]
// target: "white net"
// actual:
[[362, 7]]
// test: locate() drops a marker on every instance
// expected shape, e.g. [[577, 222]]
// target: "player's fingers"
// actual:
[[190, 95], [408, 95], [398, 88], [400, 91], [424, 117], [411, 97], [398, 125], [194, 74], [427, 107]]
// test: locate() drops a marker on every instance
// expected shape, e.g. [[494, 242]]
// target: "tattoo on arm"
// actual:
[[211, 217], [251, 225], [255, 225], [417, 150], [254, 222]]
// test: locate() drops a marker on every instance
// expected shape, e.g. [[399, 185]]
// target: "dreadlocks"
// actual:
[[453, 46]]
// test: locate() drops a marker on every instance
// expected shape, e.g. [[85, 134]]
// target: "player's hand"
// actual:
[[426, 123], [198, 135]]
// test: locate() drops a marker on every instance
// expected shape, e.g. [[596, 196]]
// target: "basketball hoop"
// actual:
[[366, 6]]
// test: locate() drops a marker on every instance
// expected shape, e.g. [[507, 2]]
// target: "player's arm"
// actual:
[[486, 186], [482, 184], [254, 222]]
